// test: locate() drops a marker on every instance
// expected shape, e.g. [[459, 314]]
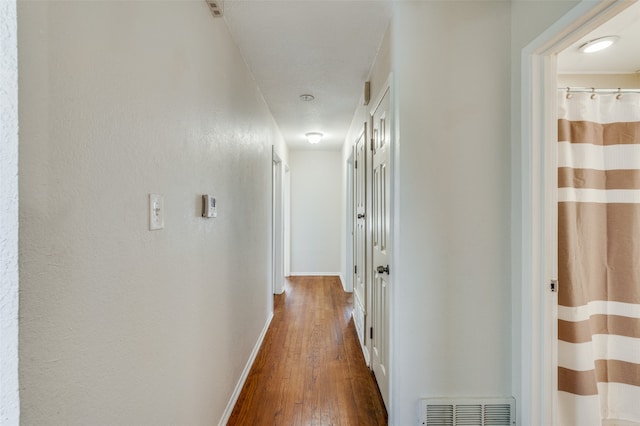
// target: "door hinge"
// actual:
[[370, 332], [355, 269], [553, 286], [356, 166], [371, 144]]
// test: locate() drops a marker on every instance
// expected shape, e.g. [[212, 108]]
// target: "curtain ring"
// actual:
[[619, 95], [569, 95], [593, 93]]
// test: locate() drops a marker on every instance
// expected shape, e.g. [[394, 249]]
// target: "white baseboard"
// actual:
[[365, 350], [245, 374], [315, 274]]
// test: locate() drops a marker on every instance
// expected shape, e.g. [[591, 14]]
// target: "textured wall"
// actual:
[[316, 212], [451, 299], [120, 325], [9, 404]]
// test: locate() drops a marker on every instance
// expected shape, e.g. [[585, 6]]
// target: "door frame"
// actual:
[[392, 244], [277, 224], [348, 281], [9, 222], [286, 206], [535, 201], [365, 298]]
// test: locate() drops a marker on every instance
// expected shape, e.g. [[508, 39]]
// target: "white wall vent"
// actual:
[[467, 412]]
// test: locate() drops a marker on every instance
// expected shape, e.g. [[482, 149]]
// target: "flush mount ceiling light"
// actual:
[[307, 97], [313, 137], [598, 44]]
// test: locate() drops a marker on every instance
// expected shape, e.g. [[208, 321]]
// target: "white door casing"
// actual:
[[360, 238], [535, 362], [380, 221], [277, 229]]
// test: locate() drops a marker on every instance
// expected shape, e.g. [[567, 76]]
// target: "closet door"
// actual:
[[360, 237], [380, 244]]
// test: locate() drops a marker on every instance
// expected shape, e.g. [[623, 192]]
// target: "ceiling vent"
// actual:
[[467, 412], [216, 7]]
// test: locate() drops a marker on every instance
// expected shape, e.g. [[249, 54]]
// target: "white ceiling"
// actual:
[[319, 47], [622, 57]]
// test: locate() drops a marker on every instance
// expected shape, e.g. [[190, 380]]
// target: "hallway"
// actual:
[[310, 369]]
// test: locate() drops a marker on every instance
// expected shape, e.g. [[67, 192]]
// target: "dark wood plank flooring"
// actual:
[[310, 369]]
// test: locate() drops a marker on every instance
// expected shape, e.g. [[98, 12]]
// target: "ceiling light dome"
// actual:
[[598, 44], [314, 137]]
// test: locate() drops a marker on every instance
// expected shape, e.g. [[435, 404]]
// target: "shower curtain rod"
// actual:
[[594, 90]]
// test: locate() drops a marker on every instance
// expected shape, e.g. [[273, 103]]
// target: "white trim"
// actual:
[[349, 170], [394, 231], [534, 371], [394, 258], [287, 221], [9, 221], [315, 274], [245, 373], [277, 223], [365, 350]]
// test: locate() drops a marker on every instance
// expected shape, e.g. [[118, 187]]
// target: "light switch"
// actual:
[[156, 212]]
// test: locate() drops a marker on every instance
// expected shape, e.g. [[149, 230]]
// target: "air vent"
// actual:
[[216, 7], [467, 412]]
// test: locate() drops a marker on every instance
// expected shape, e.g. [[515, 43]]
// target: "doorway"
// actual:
[[278, 225], [538, 207], [372, 171]]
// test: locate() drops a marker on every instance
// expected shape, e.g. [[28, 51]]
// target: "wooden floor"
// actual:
[[310, 369]]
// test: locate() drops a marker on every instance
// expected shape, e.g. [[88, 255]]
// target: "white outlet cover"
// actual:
[[156, 212]]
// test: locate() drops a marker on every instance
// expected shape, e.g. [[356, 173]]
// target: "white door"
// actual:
[[381, 134], [360, 229]]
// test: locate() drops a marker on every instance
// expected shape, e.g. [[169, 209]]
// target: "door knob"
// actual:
[[382, 269], [360, 215]]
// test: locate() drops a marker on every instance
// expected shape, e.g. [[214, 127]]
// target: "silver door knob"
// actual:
[[382, 269]]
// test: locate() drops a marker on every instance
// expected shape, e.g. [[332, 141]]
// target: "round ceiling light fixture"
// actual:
[[307, 97], [314, 137], [598, 44]]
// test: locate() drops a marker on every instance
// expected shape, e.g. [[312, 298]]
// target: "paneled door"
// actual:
[[360, 238], [381, 134]]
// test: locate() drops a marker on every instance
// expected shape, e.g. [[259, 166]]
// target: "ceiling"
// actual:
[[622, 57], [318, 47], [326, 49]]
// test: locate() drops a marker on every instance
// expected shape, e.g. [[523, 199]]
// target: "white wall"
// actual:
[[600, 81], [451, 293], [9, 401], [120, 325], [316, 212]]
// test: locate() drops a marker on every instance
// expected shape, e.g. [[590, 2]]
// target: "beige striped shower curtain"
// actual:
[[599, 259]]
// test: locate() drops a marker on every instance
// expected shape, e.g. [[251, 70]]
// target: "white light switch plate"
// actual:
[[156, 212]]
